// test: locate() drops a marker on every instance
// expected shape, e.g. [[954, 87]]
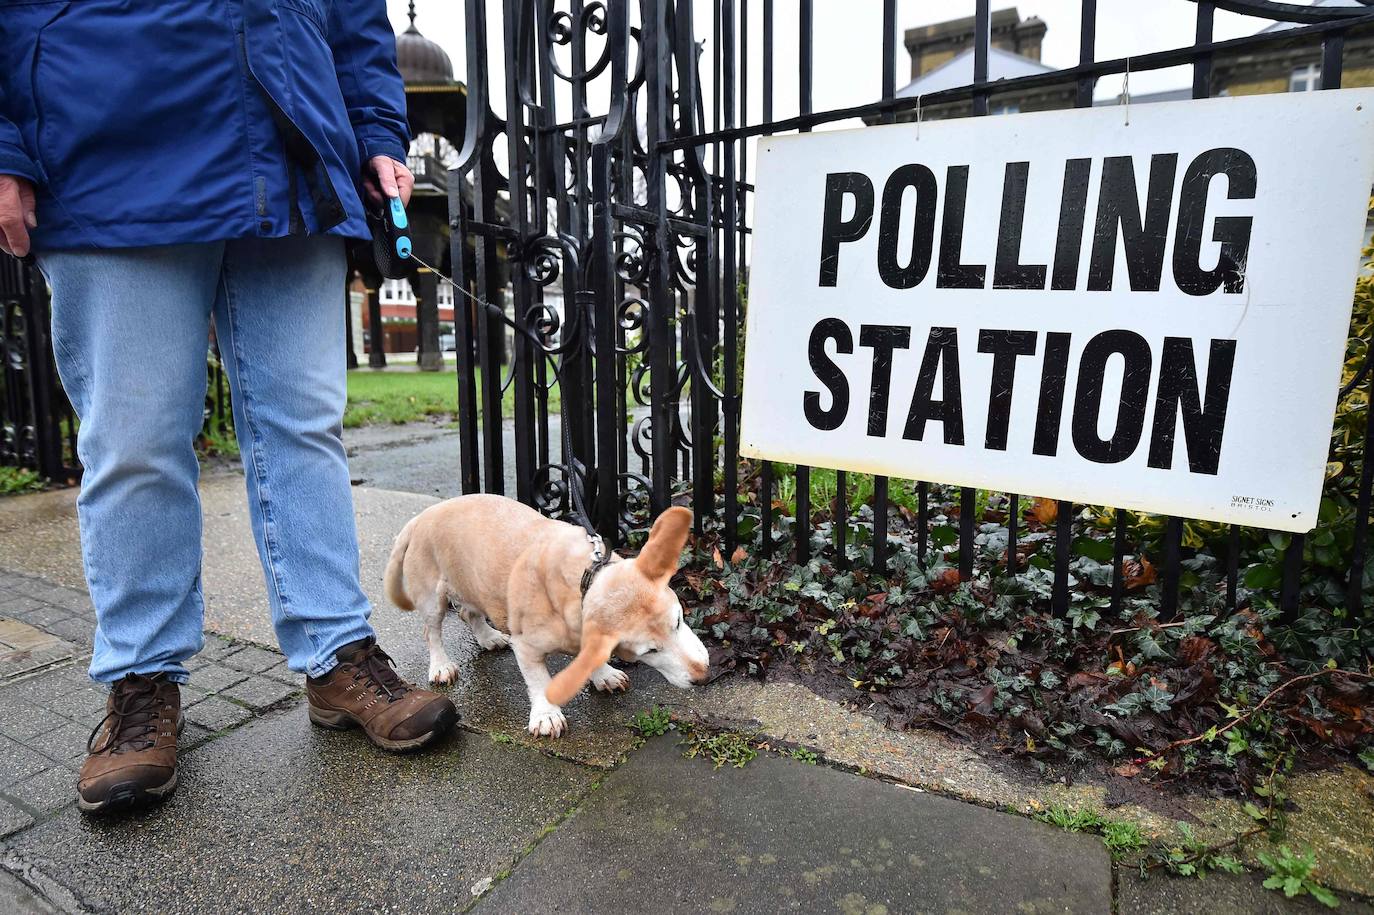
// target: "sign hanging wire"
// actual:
[[1126, 91]]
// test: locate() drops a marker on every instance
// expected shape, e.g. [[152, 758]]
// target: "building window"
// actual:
[[1008, 108], [397, 292], [1306, 78], [445, 296]]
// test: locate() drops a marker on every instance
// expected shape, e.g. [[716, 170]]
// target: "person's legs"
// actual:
[[279, 319], [131, 333]]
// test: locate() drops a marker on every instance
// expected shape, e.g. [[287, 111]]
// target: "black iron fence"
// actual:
[[37, 430], [617, 133]]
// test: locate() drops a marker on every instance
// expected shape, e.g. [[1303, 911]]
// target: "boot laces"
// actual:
[[132, 717], [378, 669]]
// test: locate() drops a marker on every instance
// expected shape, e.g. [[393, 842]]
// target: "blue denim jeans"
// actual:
[[131, 331]]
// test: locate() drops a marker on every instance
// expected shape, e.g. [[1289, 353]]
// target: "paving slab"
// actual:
[[279, 816], [668, 834], [17, 898]]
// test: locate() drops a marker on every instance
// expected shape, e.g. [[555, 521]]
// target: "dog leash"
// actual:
[[391, 245]]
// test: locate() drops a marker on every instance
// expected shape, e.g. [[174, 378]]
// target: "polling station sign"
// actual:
[[1145, 309]]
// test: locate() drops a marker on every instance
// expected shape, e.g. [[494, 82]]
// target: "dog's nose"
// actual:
[[700, 674]]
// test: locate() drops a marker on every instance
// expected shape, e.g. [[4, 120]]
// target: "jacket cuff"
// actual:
[[14, 161], [381, 145]]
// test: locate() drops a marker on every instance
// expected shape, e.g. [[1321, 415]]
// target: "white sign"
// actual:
[[1150, 315]]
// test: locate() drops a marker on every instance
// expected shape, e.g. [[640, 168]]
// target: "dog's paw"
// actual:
[[494, 640], [443, 674], [610, 680], [547, 722]]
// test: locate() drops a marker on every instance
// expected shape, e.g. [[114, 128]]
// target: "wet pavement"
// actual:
[[668, 834], [282, 817]]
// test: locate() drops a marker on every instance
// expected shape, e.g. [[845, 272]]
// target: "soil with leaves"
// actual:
[[1213, 696]]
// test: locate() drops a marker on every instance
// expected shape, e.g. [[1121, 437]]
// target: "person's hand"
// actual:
[[387, 178], [17, 214]]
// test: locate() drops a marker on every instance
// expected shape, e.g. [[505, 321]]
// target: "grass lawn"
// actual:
[[404, 397]]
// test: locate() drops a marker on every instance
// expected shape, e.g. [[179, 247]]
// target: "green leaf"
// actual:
[[1261, 578], [1228, 864], [943, 535], [1099, 550], [1323, 895]]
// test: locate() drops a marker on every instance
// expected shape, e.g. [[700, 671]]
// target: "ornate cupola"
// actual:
[[420, 60]]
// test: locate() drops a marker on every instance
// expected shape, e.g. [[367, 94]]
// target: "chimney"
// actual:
[[932, 45]]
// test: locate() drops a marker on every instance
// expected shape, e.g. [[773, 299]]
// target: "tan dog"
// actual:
[[516, 578]]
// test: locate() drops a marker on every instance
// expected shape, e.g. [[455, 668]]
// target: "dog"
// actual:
[[520, 579]]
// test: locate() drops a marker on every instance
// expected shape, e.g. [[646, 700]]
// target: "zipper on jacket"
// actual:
[[329, 210]]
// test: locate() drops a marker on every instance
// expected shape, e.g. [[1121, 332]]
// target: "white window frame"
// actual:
[[1306, 78]]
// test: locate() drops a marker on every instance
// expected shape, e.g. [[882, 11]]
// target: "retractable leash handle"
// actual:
[[391, 244]]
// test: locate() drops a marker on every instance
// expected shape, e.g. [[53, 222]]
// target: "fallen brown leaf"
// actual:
[[1046, 511], [1195, 648], [1138, 573]]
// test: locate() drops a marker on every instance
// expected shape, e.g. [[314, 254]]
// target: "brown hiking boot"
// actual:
[[132, 757], [364, 690]]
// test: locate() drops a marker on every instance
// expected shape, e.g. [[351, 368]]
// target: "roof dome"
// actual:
[[419, 59]]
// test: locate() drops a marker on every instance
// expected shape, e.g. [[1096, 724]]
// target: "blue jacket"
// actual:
[[147, 122]]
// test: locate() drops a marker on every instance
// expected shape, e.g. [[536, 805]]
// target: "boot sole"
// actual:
[[128, 796], [343, 721]]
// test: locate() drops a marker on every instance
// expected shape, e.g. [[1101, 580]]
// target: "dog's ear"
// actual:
[[658, 560], [597, 646]]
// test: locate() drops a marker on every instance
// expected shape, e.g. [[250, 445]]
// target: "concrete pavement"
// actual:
[[666, 834]]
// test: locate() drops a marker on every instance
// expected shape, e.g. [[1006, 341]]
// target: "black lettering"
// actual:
[[835, 229], [1009, 272], [829, 374], [942, 352], [1118, 209], [1135, 386], [1204, 419], [883, 338], [1053, 375], [1232, 232], [952, 274], [1073, 210], [922, 226], [1005, 345]]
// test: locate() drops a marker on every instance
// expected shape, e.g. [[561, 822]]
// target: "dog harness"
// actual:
[[600, 559]]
